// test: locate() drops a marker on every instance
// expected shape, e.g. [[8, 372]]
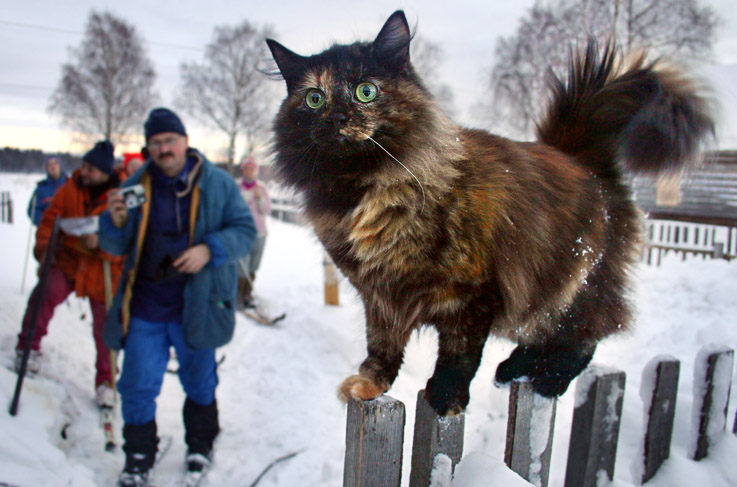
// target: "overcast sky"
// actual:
[[35, 37]]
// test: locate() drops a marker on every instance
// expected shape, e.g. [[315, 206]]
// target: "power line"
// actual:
[[75, 32], [25, 87]]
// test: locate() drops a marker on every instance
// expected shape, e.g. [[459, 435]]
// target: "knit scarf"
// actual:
[[247, 184]]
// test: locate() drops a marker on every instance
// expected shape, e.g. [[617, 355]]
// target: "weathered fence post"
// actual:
[[434, 435], [373, 443], [712, 383], [529, 434], [4, 196], [331, 281], [661, 380], [595, 430]]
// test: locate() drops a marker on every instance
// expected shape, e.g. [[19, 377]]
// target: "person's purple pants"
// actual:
[[58, 287]]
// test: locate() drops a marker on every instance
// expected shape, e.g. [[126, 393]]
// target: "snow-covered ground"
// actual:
[[277, 385]]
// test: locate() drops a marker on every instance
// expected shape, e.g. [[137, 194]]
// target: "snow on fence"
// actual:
[[688, 239], [375, 429], [6, 207]]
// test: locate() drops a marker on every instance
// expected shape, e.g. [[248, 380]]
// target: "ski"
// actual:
[[107, 418], [261, 318], [193, 479], [164, 445]]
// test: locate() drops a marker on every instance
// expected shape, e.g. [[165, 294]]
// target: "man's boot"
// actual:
[[141, 444], [243, 297], [201, 427], [245, 288]]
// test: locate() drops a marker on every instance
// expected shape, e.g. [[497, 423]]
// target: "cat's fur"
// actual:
[[470, 232]]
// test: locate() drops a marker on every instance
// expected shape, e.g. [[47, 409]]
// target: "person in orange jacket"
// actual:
[[77, 264]]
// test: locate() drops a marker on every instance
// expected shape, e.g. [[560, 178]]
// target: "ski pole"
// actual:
[[107, 276], [35, 305], [28, 243]]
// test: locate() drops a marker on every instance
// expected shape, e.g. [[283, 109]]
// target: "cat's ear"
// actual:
[[392, 43], [291, 65]]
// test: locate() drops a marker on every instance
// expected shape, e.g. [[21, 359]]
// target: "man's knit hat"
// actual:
[[162, 120], [101, 156]]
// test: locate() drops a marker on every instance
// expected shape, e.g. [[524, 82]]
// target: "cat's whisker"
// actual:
[[405, 168]]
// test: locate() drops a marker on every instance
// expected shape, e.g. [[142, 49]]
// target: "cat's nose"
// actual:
[[337, 118]]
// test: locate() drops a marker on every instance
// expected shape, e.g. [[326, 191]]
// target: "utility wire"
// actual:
[[67, 31], [17, 86]]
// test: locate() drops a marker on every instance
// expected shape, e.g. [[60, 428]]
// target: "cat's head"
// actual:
[[340, 99]]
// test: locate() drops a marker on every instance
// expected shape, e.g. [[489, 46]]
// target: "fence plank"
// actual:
[[434, 435], [660, 416], [374, 438], [595, 430], [332, 297], [3, 197], [712, 382], [529, 434]]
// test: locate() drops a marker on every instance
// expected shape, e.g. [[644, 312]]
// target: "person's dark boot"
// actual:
[[141, 444], [201, 427], [244, 297]]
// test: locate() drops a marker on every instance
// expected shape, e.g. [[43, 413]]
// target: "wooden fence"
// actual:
[[375, 429], [6, 207], [685, 239]]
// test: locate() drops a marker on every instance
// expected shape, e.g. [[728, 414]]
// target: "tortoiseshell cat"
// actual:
[[473, 233]]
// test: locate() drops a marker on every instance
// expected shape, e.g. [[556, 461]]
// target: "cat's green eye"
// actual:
[[366, 92], [315, 99]]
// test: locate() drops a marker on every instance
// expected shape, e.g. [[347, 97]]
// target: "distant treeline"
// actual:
[[32, 161]]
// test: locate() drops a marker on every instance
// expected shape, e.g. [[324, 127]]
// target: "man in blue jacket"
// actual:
[[55, 179], [178, 289]]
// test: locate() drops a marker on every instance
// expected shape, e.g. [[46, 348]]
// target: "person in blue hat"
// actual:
[[46, 188], [178, 289]]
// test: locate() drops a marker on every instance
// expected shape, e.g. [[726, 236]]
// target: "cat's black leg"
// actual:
[[385, 344], [459, 355], [549, 367]]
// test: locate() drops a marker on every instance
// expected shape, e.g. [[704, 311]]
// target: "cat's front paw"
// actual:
[[550, 369], [446, 398], [360, 388]]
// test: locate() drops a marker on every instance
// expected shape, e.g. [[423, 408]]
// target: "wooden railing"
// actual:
[[6, 207], [663, 237], [375, 429]]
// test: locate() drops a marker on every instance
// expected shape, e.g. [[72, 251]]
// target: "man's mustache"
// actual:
[[166, 154]]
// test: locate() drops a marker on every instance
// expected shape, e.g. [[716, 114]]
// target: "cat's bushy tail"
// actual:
[[650, 117]]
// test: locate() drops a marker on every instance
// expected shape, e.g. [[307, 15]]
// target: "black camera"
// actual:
[[133, 196]]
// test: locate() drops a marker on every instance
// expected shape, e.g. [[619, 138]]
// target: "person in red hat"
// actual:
[[132, 161]]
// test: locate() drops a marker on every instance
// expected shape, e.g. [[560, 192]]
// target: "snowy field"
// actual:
[[277, 385]]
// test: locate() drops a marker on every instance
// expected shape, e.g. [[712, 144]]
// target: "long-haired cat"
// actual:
[[470, 232]]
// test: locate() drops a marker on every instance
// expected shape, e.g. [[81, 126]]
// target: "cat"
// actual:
[[470, 232]]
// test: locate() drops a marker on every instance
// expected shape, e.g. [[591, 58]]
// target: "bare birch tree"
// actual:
[[678, 29], [427, 57], [228, 91], [107, 87]]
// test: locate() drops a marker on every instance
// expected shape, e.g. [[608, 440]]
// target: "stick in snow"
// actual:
[[269, 466], [35, 307]]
